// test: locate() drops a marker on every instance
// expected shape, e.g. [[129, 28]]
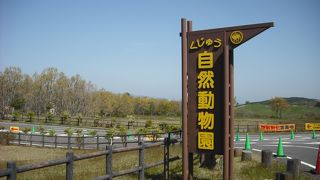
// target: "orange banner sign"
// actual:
[[14, 129], [277, 127]]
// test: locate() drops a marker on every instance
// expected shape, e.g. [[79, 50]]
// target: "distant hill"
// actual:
[[300, 110], [294, 101]]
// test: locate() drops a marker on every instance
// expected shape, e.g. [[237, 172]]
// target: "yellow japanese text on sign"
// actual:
[[205, 101]]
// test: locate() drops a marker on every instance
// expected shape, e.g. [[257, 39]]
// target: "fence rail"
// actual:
[[91, 122], [12, 169], [130, 124], [83, 142]]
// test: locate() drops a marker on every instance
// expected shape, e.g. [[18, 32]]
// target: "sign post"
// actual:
[[208, 118]]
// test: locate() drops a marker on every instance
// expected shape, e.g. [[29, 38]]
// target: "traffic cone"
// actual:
[[313, 134], [237, 137], [318, 162], [261, 136], [292, 135], [33, 130], [280, 152], [247, 144]]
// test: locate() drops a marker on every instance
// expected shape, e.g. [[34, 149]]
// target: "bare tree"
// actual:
[[278, 105]]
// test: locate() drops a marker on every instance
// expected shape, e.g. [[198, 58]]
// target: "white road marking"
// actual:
[[307, 147], [288, 157]]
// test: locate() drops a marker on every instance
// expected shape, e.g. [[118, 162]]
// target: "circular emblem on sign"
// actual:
[[236, 37]]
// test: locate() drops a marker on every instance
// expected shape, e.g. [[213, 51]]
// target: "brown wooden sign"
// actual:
[[207, 84]]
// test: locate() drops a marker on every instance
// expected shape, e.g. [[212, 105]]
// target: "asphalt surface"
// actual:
[[302, 147]]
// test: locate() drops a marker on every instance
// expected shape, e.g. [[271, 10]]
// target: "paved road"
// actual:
[[303, 147]]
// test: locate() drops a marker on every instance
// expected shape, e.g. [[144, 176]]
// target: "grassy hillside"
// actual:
[[299, 110]]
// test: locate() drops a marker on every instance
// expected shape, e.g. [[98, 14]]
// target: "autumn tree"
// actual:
[[10, 89], [278, 105], [51, 93]]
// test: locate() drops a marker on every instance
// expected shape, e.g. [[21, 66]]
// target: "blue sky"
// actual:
[[134, 46]]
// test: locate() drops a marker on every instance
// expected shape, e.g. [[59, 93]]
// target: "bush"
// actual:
[[163, 126], [79, 139], [52, 132], [109, 134], [49, 117], [141, 131], [26, 130], [6, 137], [148, 123], [15, 115], [92, 132], [122, 133], [79, 119], [41, 130], [69, 131], [30, 115], [172, 128], [96, 120], [64, 117]]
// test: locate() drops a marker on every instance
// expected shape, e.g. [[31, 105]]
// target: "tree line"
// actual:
[[53, 93]]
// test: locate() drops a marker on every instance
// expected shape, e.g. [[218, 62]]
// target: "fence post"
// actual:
[[293, 167], [283, 176], [109, 161], [97, 141], [13, 170], [266, 158], [141, 161], [55, 141], [19, 138], [166, 157], [69, 145], [139, 139], [126, 140], [30, 139], [42, 140], [69, 166], [83, 139]]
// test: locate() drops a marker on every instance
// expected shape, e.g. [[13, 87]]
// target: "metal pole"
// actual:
[[231, 125], [184, 100], [190, 155], [226, 112]]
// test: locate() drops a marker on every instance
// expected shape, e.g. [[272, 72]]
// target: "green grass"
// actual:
[[90, 168], [84, 169], [296, 113]]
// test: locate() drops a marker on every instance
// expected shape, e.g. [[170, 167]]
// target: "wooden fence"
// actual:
[[12, 170]]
